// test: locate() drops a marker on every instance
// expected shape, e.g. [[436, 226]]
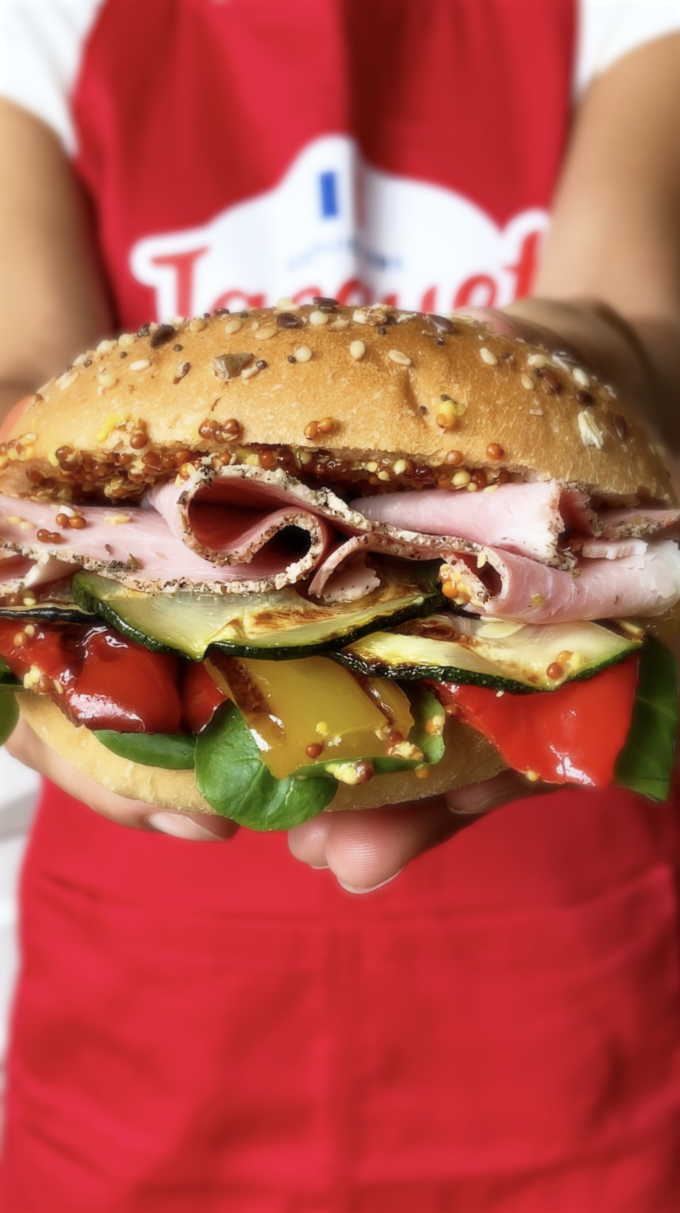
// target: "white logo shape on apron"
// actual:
[[335, 225]]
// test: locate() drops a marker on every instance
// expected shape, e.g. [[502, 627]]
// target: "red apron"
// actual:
[[217, 1027]]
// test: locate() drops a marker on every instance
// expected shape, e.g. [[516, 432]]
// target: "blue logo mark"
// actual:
[[328, 188]]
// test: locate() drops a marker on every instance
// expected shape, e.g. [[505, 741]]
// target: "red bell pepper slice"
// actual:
[[571, 735], [201, 697], [104, 680]]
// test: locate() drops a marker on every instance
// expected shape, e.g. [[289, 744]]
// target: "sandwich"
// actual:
[[314, 557]]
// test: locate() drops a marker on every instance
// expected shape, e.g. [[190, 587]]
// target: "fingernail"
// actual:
[[354, 889], [319, 867], [182, 827], [484, 806]]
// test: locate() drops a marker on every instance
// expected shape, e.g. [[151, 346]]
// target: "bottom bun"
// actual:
[[469, 758]]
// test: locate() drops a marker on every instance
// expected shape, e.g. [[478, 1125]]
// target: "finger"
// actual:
[[26, 746], [527, 329], [366, 849], [479, 798], [307, 842]]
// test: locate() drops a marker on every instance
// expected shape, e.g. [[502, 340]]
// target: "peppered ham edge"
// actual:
[[535, 552]]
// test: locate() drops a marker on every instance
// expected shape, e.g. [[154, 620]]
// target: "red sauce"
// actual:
[[106, 681], [571, 735]]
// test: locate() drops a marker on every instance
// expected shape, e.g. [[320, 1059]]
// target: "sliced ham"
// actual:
[[136, 546], [631, 522], [230, 517], [527, 519], [19, 573], [511, 587], [635, 521], [609, 549], [521, 518], [388, 540]]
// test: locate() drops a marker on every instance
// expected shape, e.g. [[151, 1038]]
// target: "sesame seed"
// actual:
[[488, 356], [106, 379], [164, 333], [264, 334], [527, 382], [370, 315], [591, 434], [339, 323], [140, 365], [580, 376], [551, 384], [287, 305], [303, 354], [233, 325], [126, 340], [196, 325], [68, 381], [357, 349], [249, 371], [399, 358], [536, 412], [106, 346], [537, 360], [441, 323], [318, 318]]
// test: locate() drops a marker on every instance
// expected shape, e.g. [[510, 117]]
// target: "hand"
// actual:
[[365, 850], [25, 745]]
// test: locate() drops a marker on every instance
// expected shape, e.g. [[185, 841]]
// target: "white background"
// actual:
[[18, 793]]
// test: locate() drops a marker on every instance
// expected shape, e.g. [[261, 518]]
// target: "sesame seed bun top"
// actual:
[[357, 381]]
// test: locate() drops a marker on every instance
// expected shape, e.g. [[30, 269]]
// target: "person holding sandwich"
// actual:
[[497, 1029]]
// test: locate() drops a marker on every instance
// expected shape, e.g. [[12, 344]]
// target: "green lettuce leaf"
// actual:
[[645, 763], [9, 714], [174, 751], [235, 781]]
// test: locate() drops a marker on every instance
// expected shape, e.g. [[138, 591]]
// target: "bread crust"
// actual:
[[549, 418], [469, 759]]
